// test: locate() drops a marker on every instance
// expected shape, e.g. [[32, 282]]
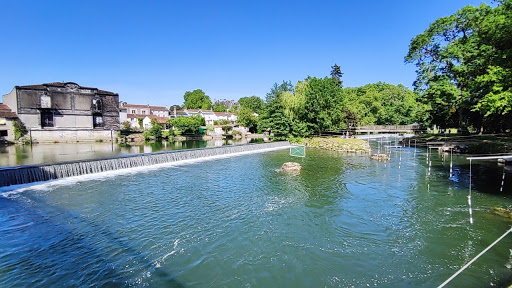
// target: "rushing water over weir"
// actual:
[[44, 172]]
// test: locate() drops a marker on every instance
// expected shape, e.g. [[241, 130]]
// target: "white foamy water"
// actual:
[[9, 191]]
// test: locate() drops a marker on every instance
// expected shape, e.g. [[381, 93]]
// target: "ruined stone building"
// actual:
[[65, 111]]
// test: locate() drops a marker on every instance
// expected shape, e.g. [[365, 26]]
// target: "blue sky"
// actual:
[[151, 52]]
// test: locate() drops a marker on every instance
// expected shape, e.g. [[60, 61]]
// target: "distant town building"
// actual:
[[227, 103], [132, 113], [6, 120], [65, 111]]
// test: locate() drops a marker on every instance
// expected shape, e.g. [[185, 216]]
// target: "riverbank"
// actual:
[[466, 144], [357, 146]]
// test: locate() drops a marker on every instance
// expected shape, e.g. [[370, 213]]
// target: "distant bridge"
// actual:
[[387, 128], [413, 128]]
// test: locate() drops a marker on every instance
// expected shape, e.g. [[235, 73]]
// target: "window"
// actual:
[[47, 119], [143, 112], [96, 104], [134, 112], [3, 133], [97, 120]]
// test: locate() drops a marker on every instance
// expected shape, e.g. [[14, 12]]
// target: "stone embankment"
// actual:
[[357, 146]]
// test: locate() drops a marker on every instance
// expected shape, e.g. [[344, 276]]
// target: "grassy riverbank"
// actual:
[[336, 144], [470, 144]]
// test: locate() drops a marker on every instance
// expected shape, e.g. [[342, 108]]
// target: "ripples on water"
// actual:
[[343, 221]]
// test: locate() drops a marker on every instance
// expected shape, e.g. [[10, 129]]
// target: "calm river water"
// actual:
[[15, 155], [344, 221]]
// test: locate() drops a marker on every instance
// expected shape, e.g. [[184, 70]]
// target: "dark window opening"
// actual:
[[96, 105], [3, 133], [97, 120], [47, 119]]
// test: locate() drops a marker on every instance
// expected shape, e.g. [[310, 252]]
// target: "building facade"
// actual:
[[7, 118], [133, 112], [65, 111]]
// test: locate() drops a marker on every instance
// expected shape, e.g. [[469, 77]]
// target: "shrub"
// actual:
[[19, 129], [125, 126]]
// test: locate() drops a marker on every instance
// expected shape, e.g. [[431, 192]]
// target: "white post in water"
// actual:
[[469, 196], [451, 162], [502, 180]]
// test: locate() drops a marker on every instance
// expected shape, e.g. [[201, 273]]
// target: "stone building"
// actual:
[[6, 123], [65, 111]]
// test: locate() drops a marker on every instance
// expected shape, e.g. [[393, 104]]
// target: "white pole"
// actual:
[[474, 259]]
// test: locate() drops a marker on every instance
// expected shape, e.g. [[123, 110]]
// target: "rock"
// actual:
[[380, 157], [291, 167], [502, 212]]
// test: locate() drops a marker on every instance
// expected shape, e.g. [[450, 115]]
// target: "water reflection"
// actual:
[[48, 153]]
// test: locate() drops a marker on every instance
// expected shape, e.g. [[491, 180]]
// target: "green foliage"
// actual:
[[155, 132], [187, 125], [222, 122], [336, 74], [318, 105], [253, 103], [219, 107], [234, 109], [140, 122], [167, 134], [247, 119], [197, 99], [227, 128], [464, 67], [125, 126], [19, 129]]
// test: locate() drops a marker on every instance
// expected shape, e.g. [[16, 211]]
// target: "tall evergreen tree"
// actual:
[[336, 74]]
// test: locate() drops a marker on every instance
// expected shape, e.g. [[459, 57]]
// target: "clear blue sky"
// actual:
[[151, 52]]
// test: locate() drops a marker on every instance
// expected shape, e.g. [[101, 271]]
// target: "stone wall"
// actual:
[[71, 135]]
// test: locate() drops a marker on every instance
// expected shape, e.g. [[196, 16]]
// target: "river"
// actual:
[[344, 221]]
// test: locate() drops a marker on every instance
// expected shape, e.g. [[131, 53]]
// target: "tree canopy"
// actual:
[[197, 99], [464, 68], [317, 105], [253, 103]]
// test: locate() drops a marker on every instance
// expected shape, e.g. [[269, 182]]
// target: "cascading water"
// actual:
[[44, 172]]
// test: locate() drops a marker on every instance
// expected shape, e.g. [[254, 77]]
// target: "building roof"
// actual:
[[158, 108], [195, 111], [224, 114], [161, 120], [45, 86], [136, 106], [5, 112], [179, 113]]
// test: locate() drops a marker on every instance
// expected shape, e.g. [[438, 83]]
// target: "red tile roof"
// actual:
[[135, 106], [5, 112], [158, 108]]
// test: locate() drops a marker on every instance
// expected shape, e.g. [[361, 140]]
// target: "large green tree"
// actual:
[[464, 67], [197, 99], [253, 103]]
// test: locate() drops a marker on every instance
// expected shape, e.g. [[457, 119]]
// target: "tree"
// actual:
[[178, 107], [187, 125], [464, 67], [253, 103], [197, 99], [247, 119], [219, 107], [336, 74]]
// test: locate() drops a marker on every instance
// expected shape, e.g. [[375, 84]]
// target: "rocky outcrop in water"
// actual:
[[357, 146], [291, 167], [380, 157]]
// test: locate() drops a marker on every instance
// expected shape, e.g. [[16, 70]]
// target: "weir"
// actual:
[[43, 172]]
